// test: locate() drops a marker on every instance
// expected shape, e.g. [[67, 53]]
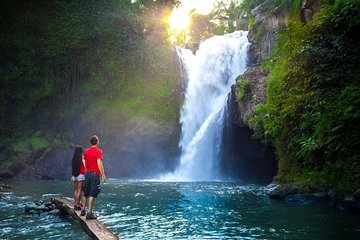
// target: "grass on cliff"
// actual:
[[244, 91], [30, 144]]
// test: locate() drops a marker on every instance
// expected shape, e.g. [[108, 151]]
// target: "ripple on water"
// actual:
[[137, 195], [50, 195]]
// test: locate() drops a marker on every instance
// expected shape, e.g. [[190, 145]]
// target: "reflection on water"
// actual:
[[158, 210]]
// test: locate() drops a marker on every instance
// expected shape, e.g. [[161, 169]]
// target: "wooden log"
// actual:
[[93, 227]]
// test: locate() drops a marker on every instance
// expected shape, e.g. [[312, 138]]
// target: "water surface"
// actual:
[[179, 210]]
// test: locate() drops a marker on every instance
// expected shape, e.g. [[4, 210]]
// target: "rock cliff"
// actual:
[[249, 90], [268, 21]]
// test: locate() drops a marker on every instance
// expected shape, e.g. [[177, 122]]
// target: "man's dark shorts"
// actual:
[[92, 185]]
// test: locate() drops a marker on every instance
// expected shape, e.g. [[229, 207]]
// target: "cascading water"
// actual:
[[209, 76]]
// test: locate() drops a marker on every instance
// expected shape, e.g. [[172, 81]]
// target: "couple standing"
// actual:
[[86, 172]]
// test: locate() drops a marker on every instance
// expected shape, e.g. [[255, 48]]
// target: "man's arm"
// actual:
[[101, 167]]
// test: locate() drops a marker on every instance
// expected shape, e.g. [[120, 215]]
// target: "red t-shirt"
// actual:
[[91, 155]]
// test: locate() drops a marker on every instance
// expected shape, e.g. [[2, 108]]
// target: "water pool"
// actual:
[[136, 209]]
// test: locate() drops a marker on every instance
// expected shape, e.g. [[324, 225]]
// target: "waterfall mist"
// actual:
[[209, 74]]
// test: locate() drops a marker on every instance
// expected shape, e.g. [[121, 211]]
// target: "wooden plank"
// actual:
[[93, 227]]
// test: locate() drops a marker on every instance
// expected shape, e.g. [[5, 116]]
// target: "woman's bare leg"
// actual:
[[78, 192], [75, 190]]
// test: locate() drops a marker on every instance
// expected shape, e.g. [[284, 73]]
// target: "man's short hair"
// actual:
[[94, 140]]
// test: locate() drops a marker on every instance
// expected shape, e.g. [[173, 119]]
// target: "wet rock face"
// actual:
[[55, 164], [308, 9], [269, 22], [255, 94], [262, 35], [5, 154], [5, 172], [246, 158], [242, 156]]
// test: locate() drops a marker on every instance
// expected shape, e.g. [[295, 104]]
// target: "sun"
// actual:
[[179, 20]]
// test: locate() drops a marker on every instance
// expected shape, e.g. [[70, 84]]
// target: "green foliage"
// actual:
[[201, 27], [258, 122], [226, 17], [244, 92], [313, 95], [293, 6], [248, 5], [59, 58]]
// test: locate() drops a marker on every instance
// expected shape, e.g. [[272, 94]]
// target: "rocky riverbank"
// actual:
[[27, 160], [293, 194]]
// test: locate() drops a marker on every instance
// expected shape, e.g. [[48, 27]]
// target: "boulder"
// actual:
[[39, 207], [5, 172], [38, 152], [28, 172], [55, 164], [333, 195], [3, 146], [357, 195], [4, 156], [5, 153], [4, 187], [14, 164], [283, 190], [26, 157], [307, 198], [54, 212], [349, 203]]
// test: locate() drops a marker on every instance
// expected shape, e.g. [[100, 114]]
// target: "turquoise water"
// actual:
[[184, 210]]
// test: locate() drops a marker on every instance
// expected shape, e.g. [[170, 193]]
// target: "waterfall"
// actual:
[[209, 76]]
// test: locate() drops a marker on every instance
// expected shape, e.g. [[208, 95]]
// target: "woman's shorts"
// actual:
[[92, 185], [80, 177]]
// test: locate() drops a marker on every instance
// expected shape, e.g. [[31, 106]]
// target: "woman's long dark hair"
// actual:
[[76, 161]]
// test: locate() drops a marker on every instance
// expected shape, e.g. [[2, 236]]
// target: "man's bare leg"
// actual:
[[90, 214], [91, 204], [84, 201]]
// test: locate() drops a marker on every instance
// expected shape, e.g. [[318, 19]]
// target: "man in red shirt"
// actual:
[[94, 170]]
